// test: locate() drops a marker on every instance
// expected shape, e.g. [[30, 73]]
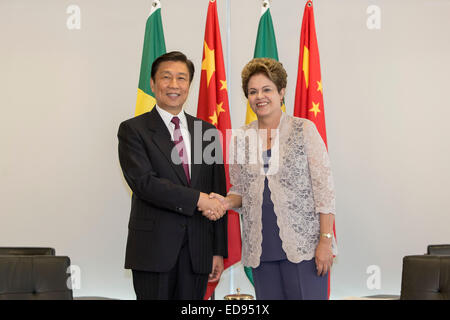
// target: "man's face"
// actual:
[[171, 85]]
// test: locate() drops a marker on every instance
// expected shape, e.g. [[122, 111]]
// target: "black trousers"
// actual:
[[180, 283]]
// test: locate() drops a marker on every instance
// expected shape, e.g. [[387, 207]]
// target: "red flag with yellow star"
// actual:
[[213, 108], [309, 92]]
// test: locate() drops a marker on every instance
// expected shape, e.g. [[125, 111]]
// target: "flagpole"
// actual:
[[228, 72]]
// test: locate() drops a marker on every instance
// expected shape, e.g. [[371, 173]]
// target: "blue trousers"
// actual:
[[284, 280]]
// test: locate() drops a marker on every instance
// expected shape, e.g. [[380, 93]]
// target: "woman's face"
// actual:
[[263, 96]]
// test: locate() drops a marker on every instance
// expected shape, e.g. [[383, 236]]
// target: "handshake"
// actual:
[[213, 206]]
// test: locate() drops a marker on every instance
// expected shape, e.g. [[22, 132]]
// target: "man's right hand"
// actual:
[[226, 203], [210, 208]]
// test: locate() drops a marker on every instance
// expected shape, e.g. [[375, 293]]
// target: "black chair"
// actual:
[[35, 277], [425, 277], [35, 273], [26, 251], [439, 249]]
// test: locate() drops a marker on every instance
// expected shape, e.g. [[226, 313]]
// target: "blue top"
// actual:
[[271, 242]]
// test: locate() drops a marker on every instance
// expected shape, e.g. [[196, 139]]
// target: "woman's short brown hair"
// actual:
[[271, 68]]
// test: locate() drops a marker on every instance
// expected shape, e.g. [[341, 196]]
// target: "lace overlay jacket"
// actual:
[[300, 181]]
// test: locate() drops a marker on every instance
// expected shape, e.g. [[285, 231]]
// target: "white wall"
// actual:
[[64, 92]]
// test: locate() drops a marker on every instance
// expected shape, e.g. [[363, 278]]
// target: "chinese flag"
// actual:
[[309, 92], [213, 108]]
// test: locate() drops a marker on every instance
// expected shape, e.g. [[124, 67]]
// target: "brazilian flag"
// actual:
[[154, 46], [265, 47]]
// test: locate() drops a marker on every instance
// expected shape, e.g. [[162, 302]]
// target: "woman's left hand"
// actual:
[[324, 258]]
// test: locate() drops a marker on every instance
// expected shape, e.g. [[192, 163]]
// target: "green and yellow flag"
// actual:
[[154, 46], [265, 47]]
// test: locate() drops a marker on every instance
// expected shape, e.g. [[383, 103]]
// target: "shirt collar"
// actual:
[[167, 117]]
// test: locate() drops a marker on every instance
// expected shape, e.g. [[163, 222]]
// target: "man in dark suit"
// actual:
[[176, 238]]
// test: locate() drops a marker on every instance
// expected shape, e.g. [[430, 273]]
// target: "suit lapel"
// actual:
[[163, 141], [196, 143]]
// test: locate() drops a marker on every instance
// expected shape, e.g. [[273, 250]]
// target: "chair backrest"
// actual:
[[38, 277], [26, 251], [439, 249], [425, 277]]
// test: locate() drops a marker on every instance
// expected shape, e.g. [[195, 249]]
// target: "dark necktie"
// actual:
[[179, 143]]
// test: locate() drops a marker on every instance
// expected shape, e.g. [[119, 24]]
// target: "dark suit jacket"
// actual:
[[163, 206]]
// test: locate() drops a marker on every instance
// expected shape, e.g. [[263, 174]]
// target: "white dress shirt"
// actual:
[[167, 118]]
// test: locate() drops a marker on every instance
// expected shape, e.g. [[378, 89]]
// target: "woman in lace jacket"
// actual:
[[283, 188]]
